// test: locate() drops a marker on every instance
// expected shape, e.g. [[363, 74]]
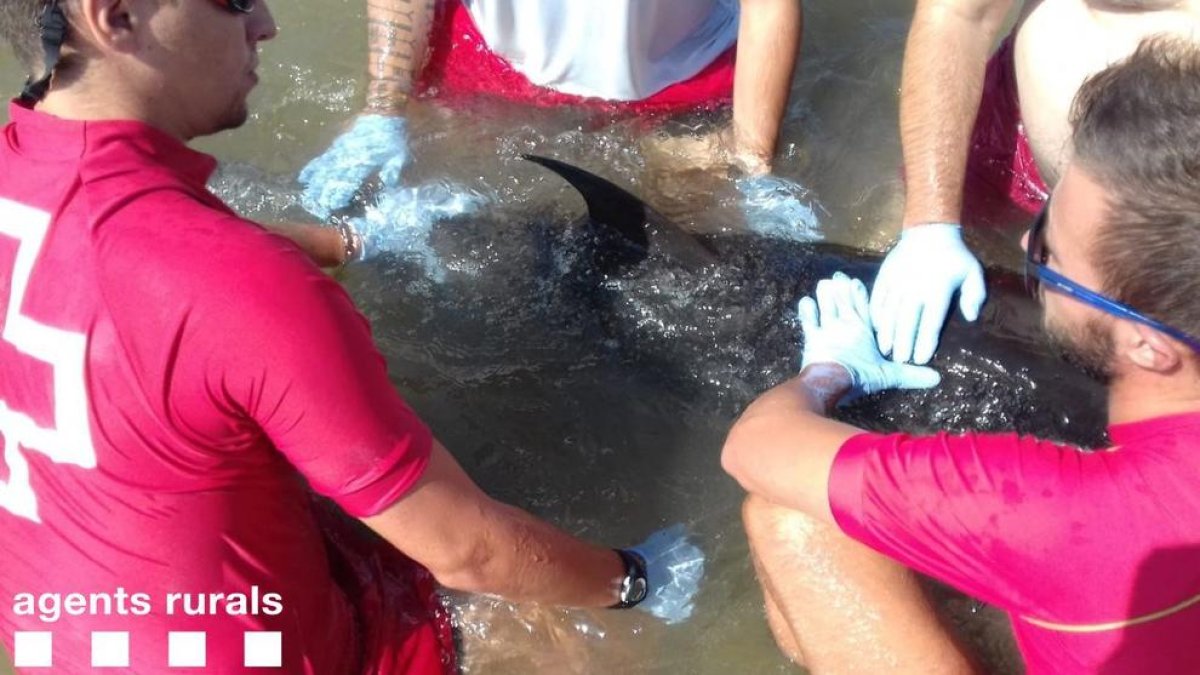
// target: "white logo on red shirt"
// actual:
[[69, 440]]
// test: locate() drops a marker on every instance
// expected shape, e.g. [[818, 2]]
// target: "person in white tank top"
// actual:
[[1057, 45], [617, 50]]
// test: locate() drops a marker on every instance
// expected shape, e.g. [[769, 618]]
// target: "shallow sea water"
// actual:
[[544, 406]]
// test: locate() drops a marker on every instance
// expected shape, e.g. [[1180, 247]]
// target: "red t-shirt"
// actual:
[[1047, 532], [170, 378]]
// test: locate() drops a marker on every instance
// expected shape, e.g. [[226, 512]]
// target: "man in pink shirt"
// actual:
[[1094, 555], [176, 382]]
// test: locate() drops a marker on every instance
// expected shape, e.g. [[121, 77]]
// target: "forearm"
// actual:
[[815, 391], [473, 543], [768, 44], [945, 62], [398, 45], [782, 447], [324, 245], [526, 559]]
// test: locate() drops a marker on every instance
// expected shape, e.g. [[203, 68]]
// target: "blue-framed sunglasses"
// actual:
[[1037, 273]]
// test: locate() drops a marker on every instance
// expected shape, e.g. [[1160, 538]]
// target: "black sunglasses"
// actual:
[[239, 6]]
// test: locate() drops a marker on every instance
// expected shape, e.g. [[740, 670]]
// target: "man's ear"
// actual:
[[107, 25], [1148, 348]]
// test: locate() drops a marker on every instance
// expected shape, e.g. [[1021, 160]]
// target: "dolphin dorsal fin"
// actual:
[[608, 205]]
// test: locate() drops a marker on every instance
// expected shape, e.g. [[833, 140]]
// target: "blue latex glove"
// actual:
[[374, 142], [674, 568], [915, 285], [837, 329], [777, 207], [401, 218]]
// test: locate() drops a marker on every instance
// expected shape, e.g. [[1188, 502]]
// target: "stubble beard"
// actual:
[[1089, 347]]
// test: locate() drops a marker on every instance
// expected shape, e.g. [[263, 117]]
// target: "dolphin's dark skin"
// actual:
[[590, 370], [624, 227], [997, 372]]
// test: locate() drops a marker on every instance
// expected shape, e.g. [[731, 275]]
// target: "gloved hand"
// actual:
[[373, 142], [837, 329], [915, 284], [778, 207], [401, 218], [674, 568]]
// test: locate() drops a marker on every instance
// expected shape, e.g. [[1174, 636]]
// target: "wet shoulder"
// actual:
[[1060, 43], [167, 246]]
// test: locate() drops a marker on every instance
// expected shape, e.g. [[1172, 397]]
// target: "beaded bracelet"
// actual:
[[352, 243]]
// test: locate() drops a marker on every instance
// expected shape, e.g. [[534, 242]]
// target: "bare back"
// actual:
[[1061, 42]]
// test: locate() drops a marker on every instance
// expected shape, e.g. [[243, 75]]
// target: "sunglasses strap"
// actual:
[[52, 28]]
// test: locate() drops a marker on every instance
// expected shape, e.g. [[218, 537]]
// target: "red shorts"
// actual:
[[1002, 182], [461, 64], [403, 628]]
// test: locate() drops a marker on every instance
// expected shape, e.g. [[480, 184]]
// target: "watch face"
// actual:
[[637, 591]]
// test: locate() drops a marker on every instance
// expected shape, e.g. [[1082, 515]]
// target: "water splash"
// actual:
[[777, 207], [400, 221]]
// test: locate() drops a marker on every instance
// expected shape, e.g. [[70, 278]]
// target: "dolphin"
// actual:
[[728, 303], [589, 368], [712, 314]]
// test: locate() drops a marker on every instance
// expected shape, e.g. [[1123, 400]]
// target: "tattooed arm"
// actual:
[[398, 45], [377, 141]]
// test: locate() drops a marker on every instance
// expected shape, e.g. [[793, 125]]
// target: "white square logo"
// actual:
[[263, 649], [186, 649], [110, 649], [33, 649]]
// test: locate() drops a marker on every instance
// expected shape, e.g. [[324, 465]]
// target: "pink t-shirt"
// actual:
[[1046, 532], [170, 378]]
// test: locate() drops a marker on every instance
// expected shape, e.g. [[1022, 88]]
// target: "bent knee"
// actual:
[[766, 522]]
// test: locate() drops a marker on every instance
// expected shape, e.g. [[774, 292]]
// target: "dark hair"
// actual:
[[1137, 132], [18, 27]]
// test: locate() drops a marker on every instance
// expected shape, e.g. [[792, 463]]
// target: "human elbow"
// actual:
[[467, 567], [470, 556]]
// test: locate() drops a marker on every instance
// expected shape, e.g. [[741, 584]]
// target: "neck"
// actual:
[[1139, 397], [85, 103]]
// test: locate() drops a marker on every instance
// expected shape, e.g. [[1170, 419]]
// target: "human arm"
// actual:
[[783, 446], [941, 85], [325, 245], [398, 47], [769, 35], [389, 472], [980, 512], [945, 59], [377, 140], [270, 368], [493, 547]]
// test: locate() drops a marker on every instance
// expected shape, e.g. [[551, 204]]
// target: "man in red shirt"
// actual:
[[171, 377], [984, 139], [1094, 555]]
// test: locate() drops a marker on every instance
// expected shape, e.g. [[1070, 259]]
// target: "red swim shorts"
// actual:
[[460, 63], [403, 628], [1002, 183]]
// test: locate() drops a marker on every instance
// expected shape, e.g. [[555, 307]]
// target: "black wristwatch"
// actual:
[[634, 586]]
